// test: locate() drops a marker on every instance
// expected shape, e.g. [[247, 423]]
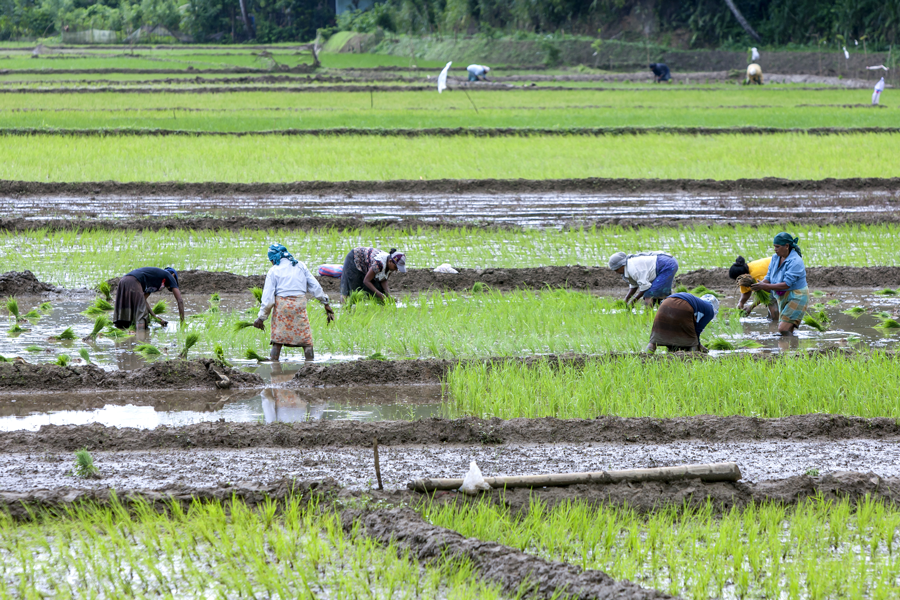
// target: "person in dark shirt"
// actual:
[[131, 306], [661, 71], [680, 320]]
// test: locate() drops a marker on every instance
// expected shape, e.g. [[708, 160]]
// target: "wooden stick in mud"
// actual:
[[711, 472], [378, 466]]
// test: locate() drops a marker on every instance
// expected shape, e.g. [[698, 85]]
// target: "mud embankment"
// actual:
[[163, 374], [14, 283], [440, 432], [516, 572], [453, 186]]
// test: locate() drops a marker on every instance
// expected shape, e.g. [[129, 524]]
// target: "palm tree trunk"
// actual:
[[247, 23], [737, 15]]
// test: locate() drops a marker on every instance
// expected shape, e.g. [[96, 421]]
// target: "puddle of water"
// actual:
[[546, 209], [147, 410]]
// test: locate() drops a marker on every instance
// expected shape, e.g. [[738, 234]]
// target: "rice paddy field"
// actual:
[[180, 462]]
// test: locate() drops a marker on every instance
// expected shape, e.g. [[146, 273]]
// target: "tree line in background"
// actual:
[[703, 23]]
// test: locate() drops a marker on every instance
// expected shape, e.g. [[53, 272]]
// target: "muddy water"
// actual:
[[545, 209], [353, 467]]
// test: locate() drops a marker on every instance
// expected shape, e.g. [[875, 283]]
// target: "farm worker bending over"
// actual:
[[650, 274], [367, 269], [478, 72], [754, 74], [287, 283], [787, 278], [680, 320], [131, 296], [746, 274], [661, 71]]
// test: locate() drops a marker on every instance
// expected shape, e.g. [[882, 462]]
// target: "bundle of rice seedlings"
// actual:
[[479, 287], [62, 360], [85, 355], [883, 315], [215, 298], [219, 353], [160, 307], [46, 307], [855, 312], [817, 307], [189, 341], [834, 302], [251, 354], [3, 359], [680, 288], [12, 305], [355, 297], [147, 350], [749, 344], [620, 304], [702, 290], [820, 316], [33, 349], [103, 304], [84, 465], [762, 297], [886, 292], [99, 323], [811, 321], [818, 294], [105, 289], [376, 356], [257, 294], [66, 335], [115, 333], [720, 344], [33, 315], [241, 325], [16, 328], [888, 324]]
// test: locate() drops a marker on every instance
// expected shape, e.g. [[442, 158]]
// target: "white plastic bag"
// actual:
[[446, 268], [474, 482], [442, 78]]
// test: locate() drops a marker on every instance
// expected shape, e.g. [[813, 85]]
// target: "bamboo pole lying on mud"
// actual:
[[711, 472]]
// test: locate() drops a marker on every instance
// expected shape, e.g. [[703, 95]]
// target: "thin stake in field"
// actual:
[[470, 100]]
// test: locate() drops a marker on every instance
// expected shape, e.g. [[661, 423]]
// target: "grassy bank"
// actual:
[[267, 159], [816, 550], [83, 258], [637, 387]]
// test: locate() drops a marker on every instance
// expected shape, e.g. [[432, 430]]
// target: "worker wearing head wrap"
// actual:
[[746, 274], [367, 269], [680, 320], [754, 75], [478, 72], [131, 308], [284, 295], [649, 274], [786, 278]]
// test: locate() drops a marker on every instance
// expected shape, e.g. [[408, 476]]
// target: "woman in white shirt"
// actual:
[[287, 284], [649, 274]]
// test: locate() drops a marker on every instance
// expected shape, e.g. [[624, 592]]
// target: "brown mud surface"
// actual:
[[440, 432], [162, 374], [478, 132], [513, 570], [453, 186], [13, 283]]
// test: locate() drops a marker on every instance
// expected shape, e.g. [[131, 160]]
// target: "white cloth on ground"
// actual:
[[286, 280], [640, 270], [445, 268]]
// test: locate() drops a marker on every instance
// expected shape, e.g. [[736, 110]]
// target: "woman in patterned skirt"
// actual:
[[284, 294], [787, 280]]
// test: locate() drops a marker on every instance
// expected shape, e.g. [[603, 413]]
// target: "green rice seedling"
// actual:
[[219, 353], [855, 312], [357, 296], [103, 304], [813, 322], [818, 294], [66, 335], [833, 302], [105, 289], [99, 323], [3, 359], [702, 290], [160, 307], [884, 314], [62, 360], [46, 307], [762, 297], [148, 351], [115, 333], [479, 287], [376, 356], [681, 289], [16, 329], [85, 355], [33, 315], [12, 305], [748, 344], [720, 344], [189, 341], [886, 292], [241, 325], [257, 294], [888, 324], [33, 349], [84, 465], [251, 354]]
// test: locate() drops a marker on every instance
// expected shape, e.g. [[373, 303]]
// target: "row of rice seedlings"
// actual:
[[70, 257], [450, 325], [218, 551], [635, 387], [817, 549]]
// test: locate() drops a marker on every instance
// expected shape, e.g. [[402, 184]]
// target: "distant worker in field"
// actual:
[[661, 72], [478, 72], [680, 320], [786, 278], [746, 274], [367, 269], [754, 75], [131, 306], [649, 274], [284, 295]]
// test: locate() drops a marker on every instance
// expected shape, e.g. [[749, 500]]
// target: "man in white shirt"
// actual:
[[478, 72], [649, 274], [287, 283]]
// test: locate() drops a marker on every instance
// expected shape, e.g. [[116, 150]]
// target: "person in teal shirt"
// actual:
[[786, 279]]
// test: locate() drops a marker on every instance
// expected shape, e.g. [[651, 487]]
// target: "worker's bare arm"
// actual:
[[637, 297], [367, 281], [180, 302], [769, 287], [631, 292]]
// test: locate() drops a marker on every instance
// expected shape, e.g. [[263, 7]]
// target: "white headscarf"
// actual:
[[617, 260], [712, 300]]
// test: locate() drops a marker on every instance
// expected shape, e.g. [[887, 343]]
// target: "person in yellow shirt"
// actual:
[[746, 274]]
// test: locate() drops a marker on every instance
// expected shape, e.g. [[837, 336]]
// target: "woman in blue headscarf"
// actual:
[[287, 284], [787, 280]]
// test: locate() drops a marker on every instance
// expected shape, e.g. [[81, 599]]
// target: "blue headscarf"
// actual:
[[173, 272], [277, 252], [786, 239]]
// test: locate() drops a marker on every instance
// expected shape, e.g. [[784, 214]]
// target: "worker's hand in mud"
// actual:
[[163, 323], [259, 324], [329, 314]]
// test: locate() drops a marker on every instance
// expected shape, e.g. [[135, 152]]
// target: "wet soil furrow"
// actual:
[[513, 570]]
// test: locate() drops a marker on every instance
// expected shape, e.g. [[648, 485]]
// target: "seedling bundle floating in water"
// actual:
[[148, 351], [67, 335]]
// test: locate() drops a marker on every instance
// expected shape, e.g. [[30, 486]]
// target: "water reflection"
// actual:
[[288, 406]]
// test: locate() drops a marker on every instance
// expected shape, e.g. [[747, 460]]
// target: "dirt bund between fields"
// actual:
[[478, 132], [455, 186], [18, 376], [436, 432], [516, 572]]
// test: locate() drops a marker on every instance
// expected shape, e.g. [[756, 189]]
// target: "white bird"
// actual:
[[846, 54], [877, 67], [754, 54], [442, 78]]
